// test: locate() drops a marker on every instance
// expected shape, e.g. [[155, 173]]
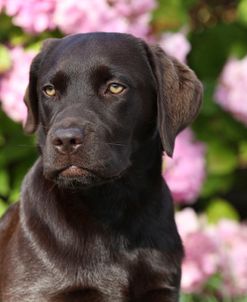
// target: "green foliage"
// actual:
[[242, 11], [17, 154], [172, 14], [218, 209], [5, 59]]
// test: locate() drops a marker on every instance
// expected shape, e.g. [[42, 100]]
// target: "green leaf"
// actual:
[[4, 182], [242, 11], [220, 208], [171, 14], [216, 184], [212, 47], [221, 159], [243, 154], [3, 207], [5, 62]]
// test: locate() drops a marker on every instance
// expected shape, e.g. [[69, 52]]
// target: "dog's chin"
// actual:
[[77, 178]]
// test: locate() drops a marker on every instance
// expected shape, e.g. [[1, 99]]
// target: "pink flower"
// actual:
[[2, 3], [136, 13], [232, 241], [12, 6], [101, 15], [201, 261], [87, 16], [187, 222], [231, 92], [32, 15], [201, 251], [13, 84], [210, 249], [133, 8], [192, 277], [176, 45], [73, 16], [185, 172]]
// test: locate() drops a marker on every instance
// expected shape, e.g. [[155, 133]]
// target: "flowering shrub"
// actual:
[[232, 238], [232, 89], [33, 16], [88, 15], [209, 162], [213, 249], [185, 172], [13, 84], [176, 45]]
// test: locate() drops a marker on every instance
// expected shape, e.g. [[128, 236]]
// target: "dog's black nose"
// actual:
[[67, 140]]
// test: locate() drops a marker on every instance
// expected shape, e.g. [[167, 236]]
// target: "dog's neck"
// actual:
[[106, 206]]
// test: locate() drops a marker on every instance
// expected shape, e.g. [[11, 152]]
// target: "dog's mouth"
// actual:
[[73, 176], [74, 171]]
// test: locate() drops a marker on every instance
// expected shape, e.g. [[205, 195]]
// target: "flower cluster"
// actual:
[[185, 172], [232, 238], [81, 16], [232, 89], [176, 45], [33, 16], [201, 258], [218, 249], [13, 84]]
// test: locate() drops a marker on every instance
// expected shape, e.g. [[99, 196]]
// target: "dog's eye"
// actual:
[[49, 90], [115, 88]]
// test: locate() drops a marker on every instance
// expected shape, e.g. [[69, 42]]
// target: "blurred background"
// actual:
[[208, 173]]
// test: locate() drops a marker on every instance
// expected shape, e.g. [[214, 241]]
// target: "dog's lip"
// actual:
[[75, 171]]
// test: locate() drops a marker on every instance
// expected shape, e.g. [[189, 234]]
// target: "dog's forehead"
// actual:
[[85, 50]]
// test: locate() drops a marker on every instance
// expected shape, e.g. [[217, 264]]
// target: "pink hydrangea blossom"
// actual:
[[32, 15], [137, 14], [13, 84], [2, 2], [187, 222], [133, 8], [185, 172], [87, 16], [72, 16], [11, 6], [211, 249], [101, 15], [176, 45], [201, 253], [232, 242], [231, 92]]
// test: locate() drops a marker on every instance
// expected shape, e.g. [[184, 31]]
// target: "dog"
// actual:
[[95, 221]]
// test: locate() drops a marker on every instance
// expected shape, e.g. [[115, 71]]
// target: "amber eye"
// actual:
[[49, 90], [116, 88]]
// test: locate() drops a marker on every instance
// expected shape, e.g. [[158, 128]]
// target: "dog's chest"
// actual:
[[96, 275], [103, 282]]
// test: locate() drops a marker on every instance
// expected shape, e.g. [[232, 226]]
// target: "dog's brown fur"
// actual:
[[95, 221]]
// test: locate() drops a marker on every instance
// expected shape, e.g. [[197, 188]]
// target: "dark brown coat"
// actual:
[[95, 221]]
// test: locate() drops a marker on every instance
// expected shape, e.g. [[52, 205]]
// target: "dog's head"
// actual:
[[96, 99]]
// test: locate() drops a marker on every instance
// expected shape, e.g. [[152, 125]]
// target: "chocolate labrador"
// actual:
[[95, 221]]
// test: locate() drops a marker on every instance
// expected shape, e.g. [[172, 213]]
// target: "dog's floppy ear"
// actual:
[[30, 97], [179, 96]]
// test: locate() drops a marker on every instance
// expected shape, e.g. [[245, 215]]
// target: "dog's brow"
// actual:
[[100, 74], [60, 81]]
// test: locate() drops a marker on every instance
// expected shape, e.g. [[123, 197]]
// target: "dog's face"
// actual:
[[96, 99]]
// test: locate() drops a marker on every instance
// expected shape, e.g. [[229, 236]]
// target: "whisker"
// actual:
[[116, 144]]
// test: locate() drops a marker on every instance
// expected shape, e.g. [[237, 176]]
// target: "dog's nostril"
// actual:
[[75, 141], [57, 142], [67, 140]]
